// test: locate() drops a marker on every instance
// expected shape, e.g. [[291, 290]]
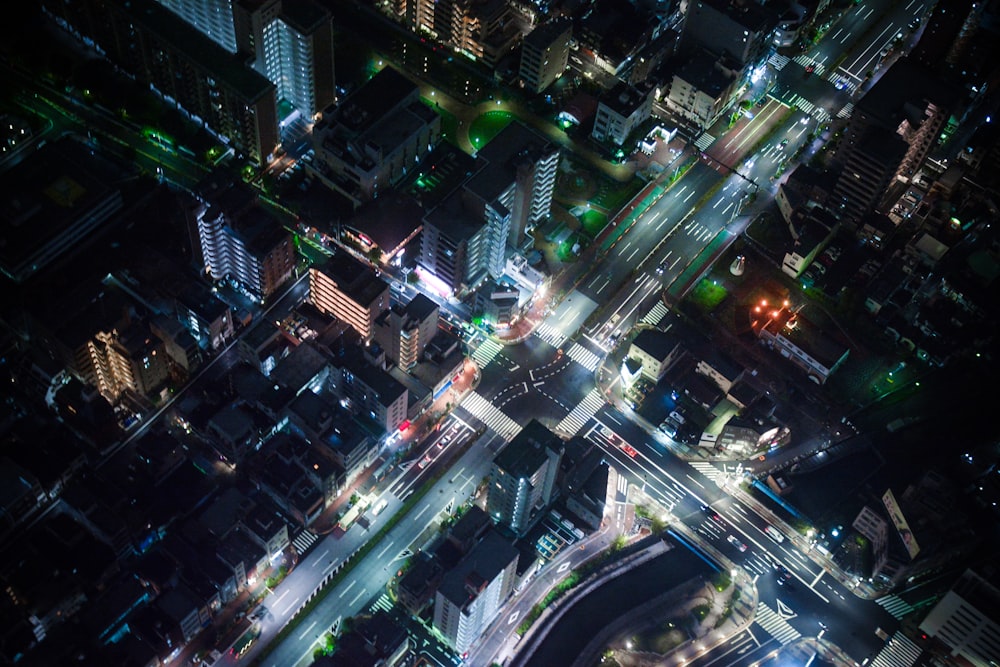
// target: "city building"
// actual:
[[241, 241], [209, 319], [485, 30], [157, 47], [703, 89], [54, 199], [350, 291], [803, 188], [288, 41], [892, 129], [811, 229], [621, 111], [466, 236], [373, 138], [472, 592], [368, 390], [966, 621], [615, 33], [870, 167], [797, 339], [498, 304], [741, 30], [545, 54], [654, 351], [404, 331], [523, 476]]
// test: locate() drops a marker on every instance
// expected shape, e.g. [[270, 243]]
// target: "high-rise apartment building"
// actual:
[[545, 54], [523, 477], [212, 18], [349, 290], [740, 30], [472, 593], [240, 240], [483, 29], [467, 236], [404, 331], [871, 165]]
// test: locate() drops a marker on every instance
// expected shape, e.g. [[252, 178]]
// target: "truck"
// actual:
[[379, 507]]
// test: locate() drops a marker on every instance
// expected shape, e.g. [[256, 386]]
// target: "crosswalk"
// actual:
[[655, 314], [584, 357], [801, 103], [846, 111], [304, 540], [899, 652], [704, 141], [581, 414], [843, 80], [550, 334], [778, 61], [708, 470], [486, 352], [896, 606], [806, 61], [489, 414], [775, 625], [383, 602]]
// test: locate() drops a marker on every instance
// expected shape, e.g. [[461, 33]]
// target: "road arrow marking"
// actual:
[[784, 611]]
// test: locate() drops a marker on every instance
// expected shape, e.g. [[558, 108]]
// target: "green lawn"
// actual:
[[613, 196], [707, 295], [487, 126], [593, 222]]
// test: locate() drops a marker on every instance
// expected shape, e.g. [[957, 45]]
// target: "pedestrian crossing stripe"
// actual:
[[550, 334], [845, 112], [486, 352], [581, 414], [775, 625], [708, 470], [704, 141], [900, 651], [383, 602], [805, 61], [584, 357], [304, 540], [895, 606], [489, 414], [778, 61], [655, 314]]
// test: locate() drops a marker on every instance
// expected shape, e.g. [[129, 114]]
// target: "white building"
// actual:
[[472, 593]]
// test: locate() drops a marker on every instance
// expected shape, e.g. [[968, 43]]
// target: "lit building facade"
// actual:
[[404, 331], [523, 476], [545, 54], [349, 290], [620, 112]]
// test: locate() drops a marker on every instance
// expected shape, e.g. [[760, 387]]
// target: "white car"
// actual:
[[736, 543]]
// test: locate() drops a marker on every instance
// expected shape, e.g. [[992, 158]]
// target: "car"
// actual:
[[668, 429], [736, 543], [661, 267], [615, 337], [712, 514], [424, 462], [630, 450], [810, 69], [676, 416], [784, 142]]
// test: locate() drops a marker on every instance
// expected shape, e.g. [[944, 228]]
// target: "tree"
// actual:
[[375, 255]]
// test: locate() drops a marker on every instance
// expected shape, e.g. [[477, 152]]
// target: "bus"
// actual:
[[379, 507]]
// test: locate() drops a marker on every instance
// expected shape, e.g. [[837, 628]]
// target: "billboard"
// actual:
[[898, 520]]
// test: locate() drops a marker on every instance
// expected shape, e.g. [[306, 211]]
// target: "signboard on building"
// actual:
[[898, 520]]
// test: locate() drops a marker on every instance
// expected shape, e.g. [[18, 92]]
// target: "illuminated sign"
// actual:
[[898, 520]]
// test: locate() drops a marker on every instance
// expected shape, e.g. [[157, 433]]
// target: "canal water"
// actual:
[[617, 597]]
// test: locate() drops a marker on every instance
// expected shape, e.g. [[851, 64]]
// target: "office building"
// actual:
[[523, 476], [374, 137], [965, 623], [871, 166], [350, 291], [739, 30], [473, 592], [620, 112], [239, 240], [545, 54], [404, 331], [911, 103], [368, 390], [210, 84], [703, 89]]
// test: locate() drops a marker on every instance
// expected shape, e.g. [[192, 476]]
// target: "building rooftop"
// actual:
[[228, 68], [453, 220], [544, 35], [482, 564], [371, 102], [624, 99], [354, 278], [655, 343], [906, 87], [305, 16], [526, 453], [701, 73]]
